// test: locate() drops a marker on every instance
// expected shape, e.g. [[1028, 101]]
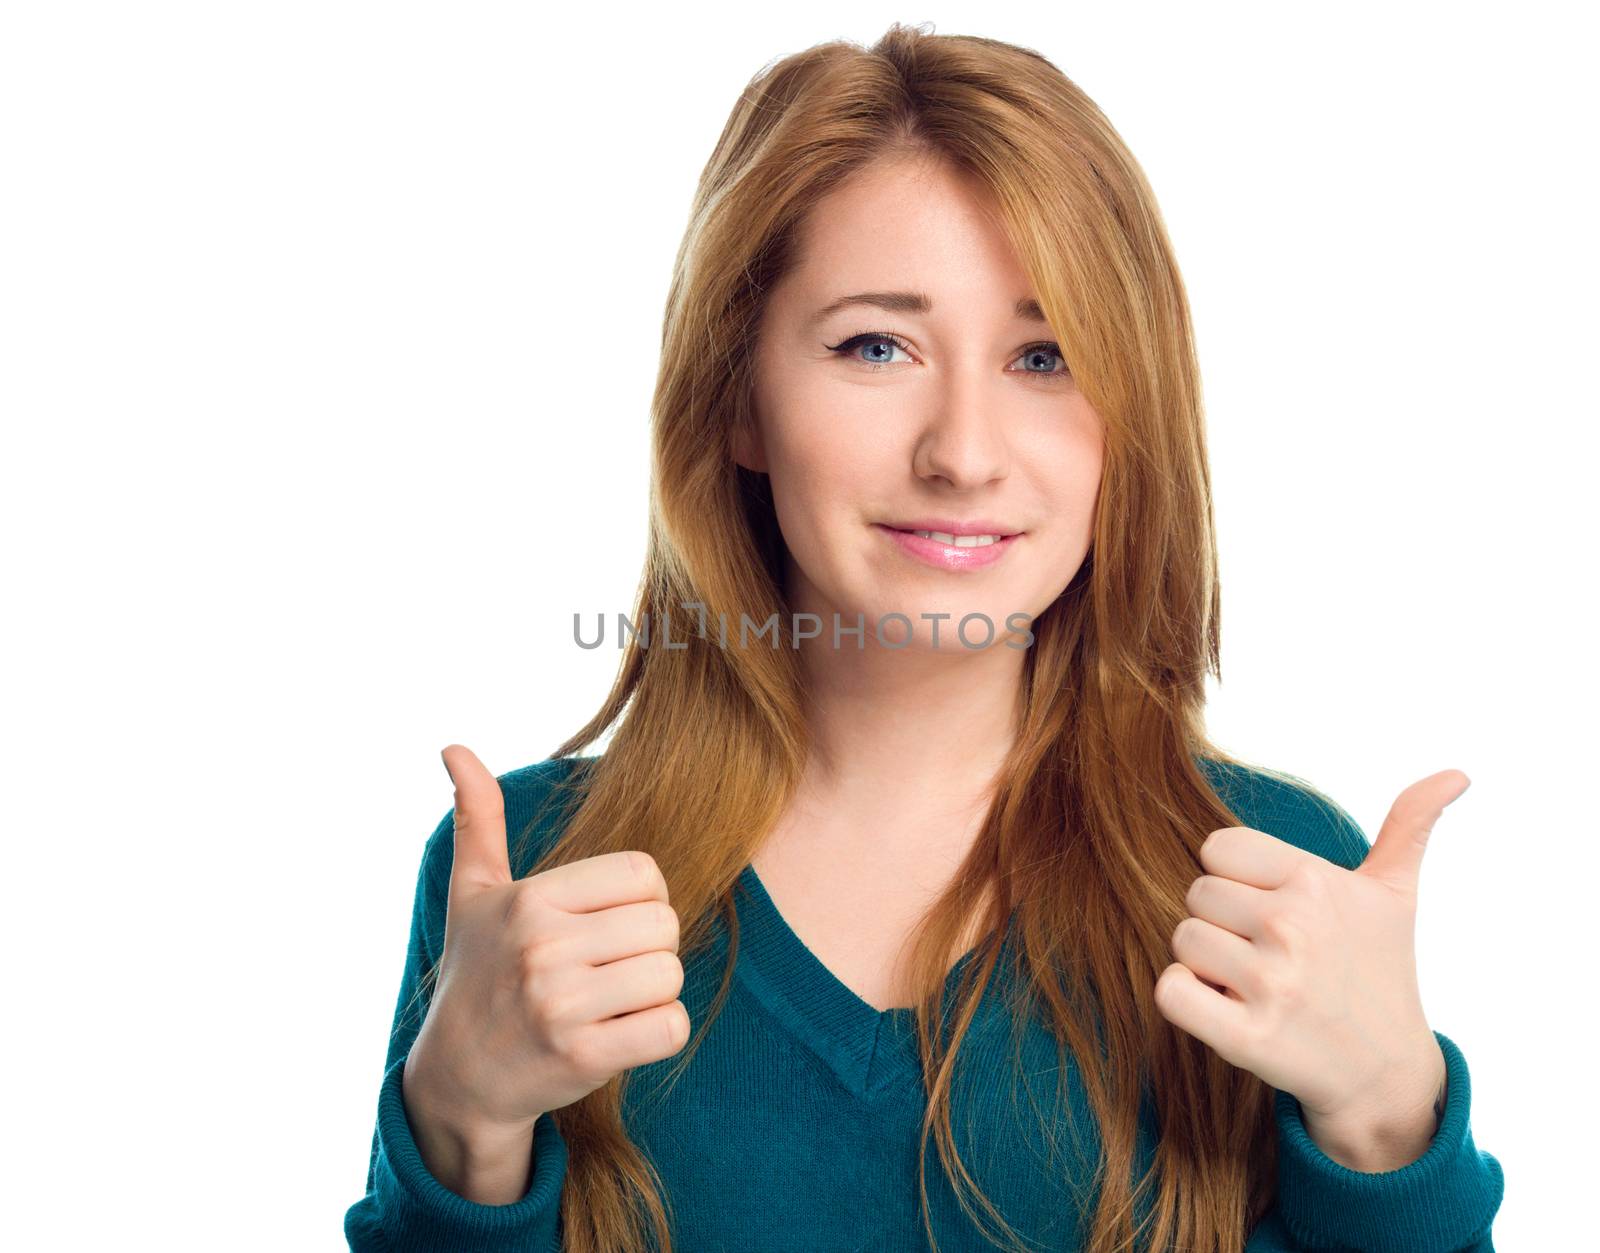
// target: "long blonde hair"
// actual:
[[1099, 811]]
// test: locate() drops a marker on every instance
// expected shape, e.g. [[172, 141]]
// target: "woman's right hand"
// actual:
[[547, 986]]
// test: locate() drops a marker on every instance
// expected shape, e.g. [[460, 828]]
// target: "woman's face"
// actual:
[[969, 423]]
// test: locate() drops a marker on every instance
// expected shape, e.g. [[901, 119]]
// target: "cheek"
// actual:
[[810, 484], [822, 465], [1083, 455], [1065, 460], [1068, 479]]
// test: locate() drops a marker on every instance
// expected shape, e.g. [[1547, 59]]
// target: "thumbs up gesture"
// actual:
[[1304, 973], [548, 986]]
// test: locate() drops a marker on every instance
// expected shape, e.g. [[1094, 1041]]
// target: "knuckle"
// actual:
[[1166, 988], [583, 1055], [1263, 986], [678, 1028], [1277, 986], [1183, 932], [537, 956], [667, 927], [1282, 929], [490, 815], [550, 1005], [1307, 878], [526, 909], [645, 868]]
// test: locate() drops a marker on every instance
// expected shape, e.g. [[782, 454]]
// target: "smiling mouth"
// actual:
[[956, 539], [952, 552]]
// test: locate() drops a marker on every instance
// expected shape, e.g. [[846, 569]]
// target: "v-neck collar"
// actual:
[[871, 1051]]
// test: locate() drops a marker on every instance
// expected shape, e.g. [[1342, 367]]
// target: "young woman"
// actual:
[[909, 848]]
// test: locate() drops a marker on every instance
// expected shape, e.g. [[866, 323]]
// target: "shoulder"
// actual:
[[1288, 807], [540, 799], [533, 783]]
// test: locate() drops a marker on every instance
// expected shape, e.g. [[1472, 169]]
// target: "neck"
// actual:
[[906, 743]]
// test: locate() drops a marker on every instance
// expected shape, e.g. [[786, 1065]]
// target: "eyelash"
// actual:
[[855, 341]]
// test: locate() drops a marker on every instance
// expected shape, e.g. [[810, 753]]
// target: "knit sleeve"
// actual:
[[1444, 1202], [405, 1207]]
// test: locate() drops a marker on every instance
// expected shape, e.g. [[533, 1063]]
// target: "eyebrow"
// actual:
[[914, 302]]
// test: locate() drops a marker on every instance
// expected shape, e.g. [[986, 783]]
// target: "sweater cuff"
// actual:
[[1442, 1202], [420, 1213]]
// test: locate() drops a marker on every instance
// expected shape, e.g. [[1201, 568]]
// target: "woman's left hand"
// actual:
[[1304, 973]]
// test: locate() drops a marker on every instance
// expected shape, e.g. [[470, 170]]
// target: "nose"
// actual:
[[962, 442]]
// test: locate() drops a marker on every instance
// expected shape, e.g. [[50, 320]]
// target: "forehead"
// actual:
[[893, 196], [911, 223]]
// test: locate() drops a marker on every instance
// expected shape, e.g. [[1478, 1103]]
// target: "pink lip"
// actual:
[[948, 556]]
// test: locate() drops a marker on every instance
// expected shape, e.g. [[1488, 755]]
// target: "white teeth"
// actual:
[[958, 541]]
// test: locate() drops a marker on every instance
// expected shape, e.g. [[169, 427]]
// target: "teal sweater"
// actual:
[[797, 1123]]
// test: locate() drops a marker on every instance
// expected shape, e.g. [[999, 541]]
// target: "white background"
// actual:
[[329, 332]]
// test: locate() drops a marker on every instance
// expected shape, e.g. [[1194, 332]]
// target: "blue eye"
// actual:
[[869, 337], [847, 349]]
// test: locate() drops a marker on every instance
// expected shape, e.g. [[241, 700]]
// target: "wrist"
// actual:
[[490, 1164], [1392, 1131], [428, 1099]]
